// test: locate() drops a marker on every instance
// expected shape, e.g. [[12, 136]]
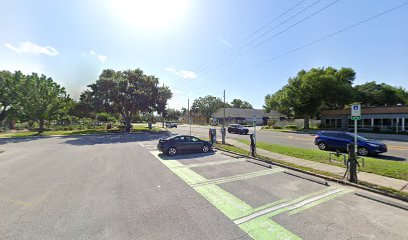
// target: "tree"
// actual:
[[173, 114], [238, 103], [127, 93], [164, 95], [207, 105], [42, 99], [373, 94], [312, 91], [9, 87]]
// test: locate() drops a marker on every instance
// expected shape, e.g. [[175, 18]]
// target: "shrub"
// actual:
[[291, 127], [272, 123]]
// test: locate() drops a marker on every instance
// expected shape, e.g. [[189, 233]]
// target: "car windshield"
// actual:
[[360, 138]]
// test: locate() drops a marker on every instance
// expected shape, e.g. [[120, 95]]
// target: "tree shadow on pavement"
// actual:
[[21, 139], [114, 138]]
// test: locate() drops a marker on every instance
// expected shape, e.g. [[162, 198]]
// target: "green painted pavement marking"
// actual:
[[325, 199], [259, 227], [212, 163], [275, 208], [228, 204], [264, 228], [238, 177], [297, 203], [253, 210]]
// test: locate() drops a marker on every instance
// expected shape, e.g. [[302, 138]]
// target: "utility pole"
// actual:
[[223, 124], [188, 113]]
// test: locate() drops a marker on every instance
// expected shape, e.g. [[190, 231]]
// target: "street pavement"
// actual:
[[119, 186], [397, 149]]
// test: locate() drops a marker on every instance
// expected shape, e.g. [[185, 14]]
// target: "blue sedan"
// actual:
[[339, 140]]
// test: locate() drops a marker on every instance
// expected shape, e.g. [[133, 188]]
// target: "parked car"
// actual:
[[170, 125], [339, 141], [237, 128], [183, 143]]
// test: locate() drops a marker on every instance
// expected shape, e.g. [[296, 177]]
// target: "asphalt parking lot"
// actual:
[[269, 203], [118, 186]]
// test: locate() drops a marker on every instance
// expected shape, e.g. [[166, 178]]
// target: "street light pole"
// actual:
[[188, 113], [223, 124]]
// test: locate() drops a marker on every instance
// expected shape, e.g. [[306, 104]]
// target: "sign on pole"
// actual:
[[356, 111], [355, 115]]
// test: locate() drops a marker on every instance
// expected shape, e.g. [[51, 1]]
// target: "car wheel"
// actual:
[[322, 146], [205, 148], [172, 151], [229, 131], [362, 151]]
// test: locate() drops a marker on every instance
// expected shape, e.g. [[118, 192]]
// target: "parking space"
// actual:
[[267, 203]]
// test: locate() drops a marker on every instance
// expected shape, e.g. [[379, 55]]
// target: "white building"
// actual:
[[238, 115]]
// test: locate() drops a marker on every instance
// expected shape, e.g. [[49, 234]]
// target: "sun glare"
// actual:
[[151, 14]]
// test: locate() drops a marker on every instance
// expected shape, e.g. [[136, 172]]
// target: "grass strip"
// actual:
[[393, 169]]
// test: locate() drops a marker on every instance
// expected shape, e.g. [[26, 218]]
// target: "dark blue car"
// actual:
[[183, 143], [339, 140]]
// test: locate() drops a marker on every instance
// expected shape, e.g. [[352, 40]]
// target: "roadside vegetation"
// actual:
[[310, 92], [36, 105], [393, 169], [135, 128]]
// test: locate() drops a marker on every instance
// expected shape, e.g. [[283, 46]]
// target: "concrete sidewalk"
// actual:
[[362, 176]]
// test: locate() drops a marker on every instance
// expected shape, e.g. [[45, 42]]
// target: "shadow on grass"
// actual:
[[389, 158]]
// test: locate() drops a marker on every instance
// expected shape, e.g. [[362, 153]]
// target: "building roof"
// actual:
[[246, 113], [368, 110]]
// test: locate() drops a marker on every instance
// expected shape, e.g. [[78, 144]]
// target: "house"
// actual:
[[381, 118], [238, 115]]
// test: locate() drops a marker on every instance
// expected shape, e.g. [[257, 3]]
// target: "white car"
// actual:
[[170, 125]]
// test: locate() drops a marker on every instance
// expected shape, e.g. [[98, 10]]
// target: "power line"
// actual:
[[256, 31], [332, 34], [225, 57], [295, 24], [335, 33], [288, 28]]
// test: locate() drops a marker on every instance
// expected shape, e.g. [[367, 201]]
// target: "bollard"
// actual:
[[253, 147], [352, 163]]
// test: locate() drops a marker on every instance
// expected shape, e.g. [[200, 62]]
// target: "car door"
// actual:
[[181, 145], [343, 141], [196, 144], [188, 144], [331, 139]]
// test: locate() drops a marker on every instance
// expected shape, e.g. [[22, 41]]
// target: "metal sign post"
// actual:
[[355, 115]]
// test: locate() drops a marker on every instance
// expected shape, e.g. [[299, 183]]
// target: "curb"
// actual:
[[360, 186]]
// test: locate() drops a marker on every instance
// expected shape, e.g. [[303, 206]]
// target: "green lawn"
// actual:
[[386, 168], [136, 128]]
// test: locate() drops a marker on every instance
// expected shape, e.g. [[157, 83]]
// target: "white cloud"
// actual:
[[185, 74], [32, 48], [100, 57]]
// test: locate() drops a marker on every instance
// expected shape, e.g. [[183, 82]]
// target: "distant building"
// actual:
[[238, 115], [384, 118]]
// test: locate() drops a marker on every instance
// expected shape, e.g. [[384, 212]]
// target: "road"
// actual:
[[119, 187], [397, 149]]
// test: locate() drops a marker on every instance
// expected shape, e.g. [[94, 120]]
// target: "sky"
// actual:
[[249, 48]]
